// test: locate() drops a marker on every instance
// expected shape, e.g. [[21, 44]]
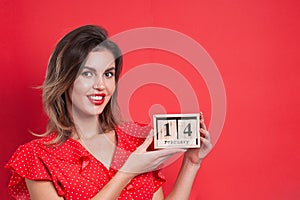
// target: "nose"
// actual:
[[99, 84]]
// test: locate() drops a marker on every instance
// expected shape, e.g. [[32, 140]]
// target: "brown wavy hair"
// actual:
[[63, 68]]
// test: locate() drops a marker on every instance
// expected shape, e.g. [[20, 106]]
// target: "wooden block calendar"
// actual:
[[176, 131]]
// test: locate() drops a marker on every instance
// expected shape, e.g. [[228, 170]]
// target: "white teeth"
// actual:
[[97, 98]]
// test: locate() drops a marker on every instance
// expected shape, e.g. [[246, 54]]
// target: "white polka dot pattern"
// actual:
[[74, 172]]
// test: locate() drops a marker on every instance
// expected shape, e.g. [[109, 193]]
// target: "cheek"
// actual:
[[82, 87], [112, 87]]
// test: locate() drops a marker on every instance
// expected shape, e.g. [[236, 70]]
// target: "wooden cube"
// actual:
[[176, 131]]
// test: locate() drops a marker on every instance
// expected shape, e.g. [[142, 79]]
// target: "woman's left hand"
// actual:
[[194, 155]]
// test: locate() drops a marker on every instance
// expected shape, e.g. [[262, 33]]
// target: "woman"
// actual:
[[86, 152]]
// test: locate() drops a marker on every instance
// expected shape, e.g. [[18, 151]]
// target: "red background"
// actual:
[[255, 45]]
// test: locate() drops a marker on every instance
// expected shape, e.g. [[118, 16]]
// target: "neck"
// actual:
[[86, 126]]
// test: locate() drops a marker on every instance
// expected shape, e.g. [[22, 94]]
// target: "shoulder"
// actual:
[[26, 161], [41, 149], [32, 147], [37, 160]]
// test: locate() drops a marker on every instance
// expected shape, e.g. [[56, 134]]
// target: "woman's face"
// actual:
[[95, 84]]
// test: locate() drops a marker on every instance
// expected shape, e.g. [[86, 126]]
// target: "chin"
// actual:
[[99, 112]]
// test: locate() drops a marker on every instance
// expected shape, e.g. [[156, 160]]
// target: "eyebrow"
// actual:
[[111, 68], [94, 70], [89, 68]]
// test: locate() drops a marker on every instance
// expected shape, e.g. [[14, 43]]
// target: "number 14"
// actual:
[[187, 130]]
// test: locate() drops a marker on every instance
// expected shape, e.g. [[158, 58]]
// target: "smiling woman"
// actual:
[[94, 86], [87, 152]]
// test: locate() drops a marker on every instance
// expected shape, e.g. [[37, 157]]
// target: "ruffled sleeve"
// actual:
[[27, 163], [158, 180]]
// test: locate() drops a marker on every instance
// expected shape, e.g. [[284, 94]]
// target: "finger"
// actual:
[[146, 143], [202, 124], [205, 142], [167, 152], [164, 158], [201, 116], [151, 133], [205, 133]]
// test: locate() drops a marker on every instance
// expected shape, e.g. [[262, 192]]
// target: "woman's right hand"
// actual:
[[141, 160]]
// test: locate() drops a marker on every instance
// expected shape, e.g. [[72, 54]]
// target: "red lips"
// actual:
[[96, 99]]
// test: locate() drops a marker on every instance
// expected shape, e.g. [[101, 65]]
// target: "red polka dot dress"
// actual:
[[74, 172]]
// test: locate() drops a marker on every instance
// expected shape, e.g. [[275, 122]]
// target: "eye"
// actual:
[[109, 74], [87, 74]]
